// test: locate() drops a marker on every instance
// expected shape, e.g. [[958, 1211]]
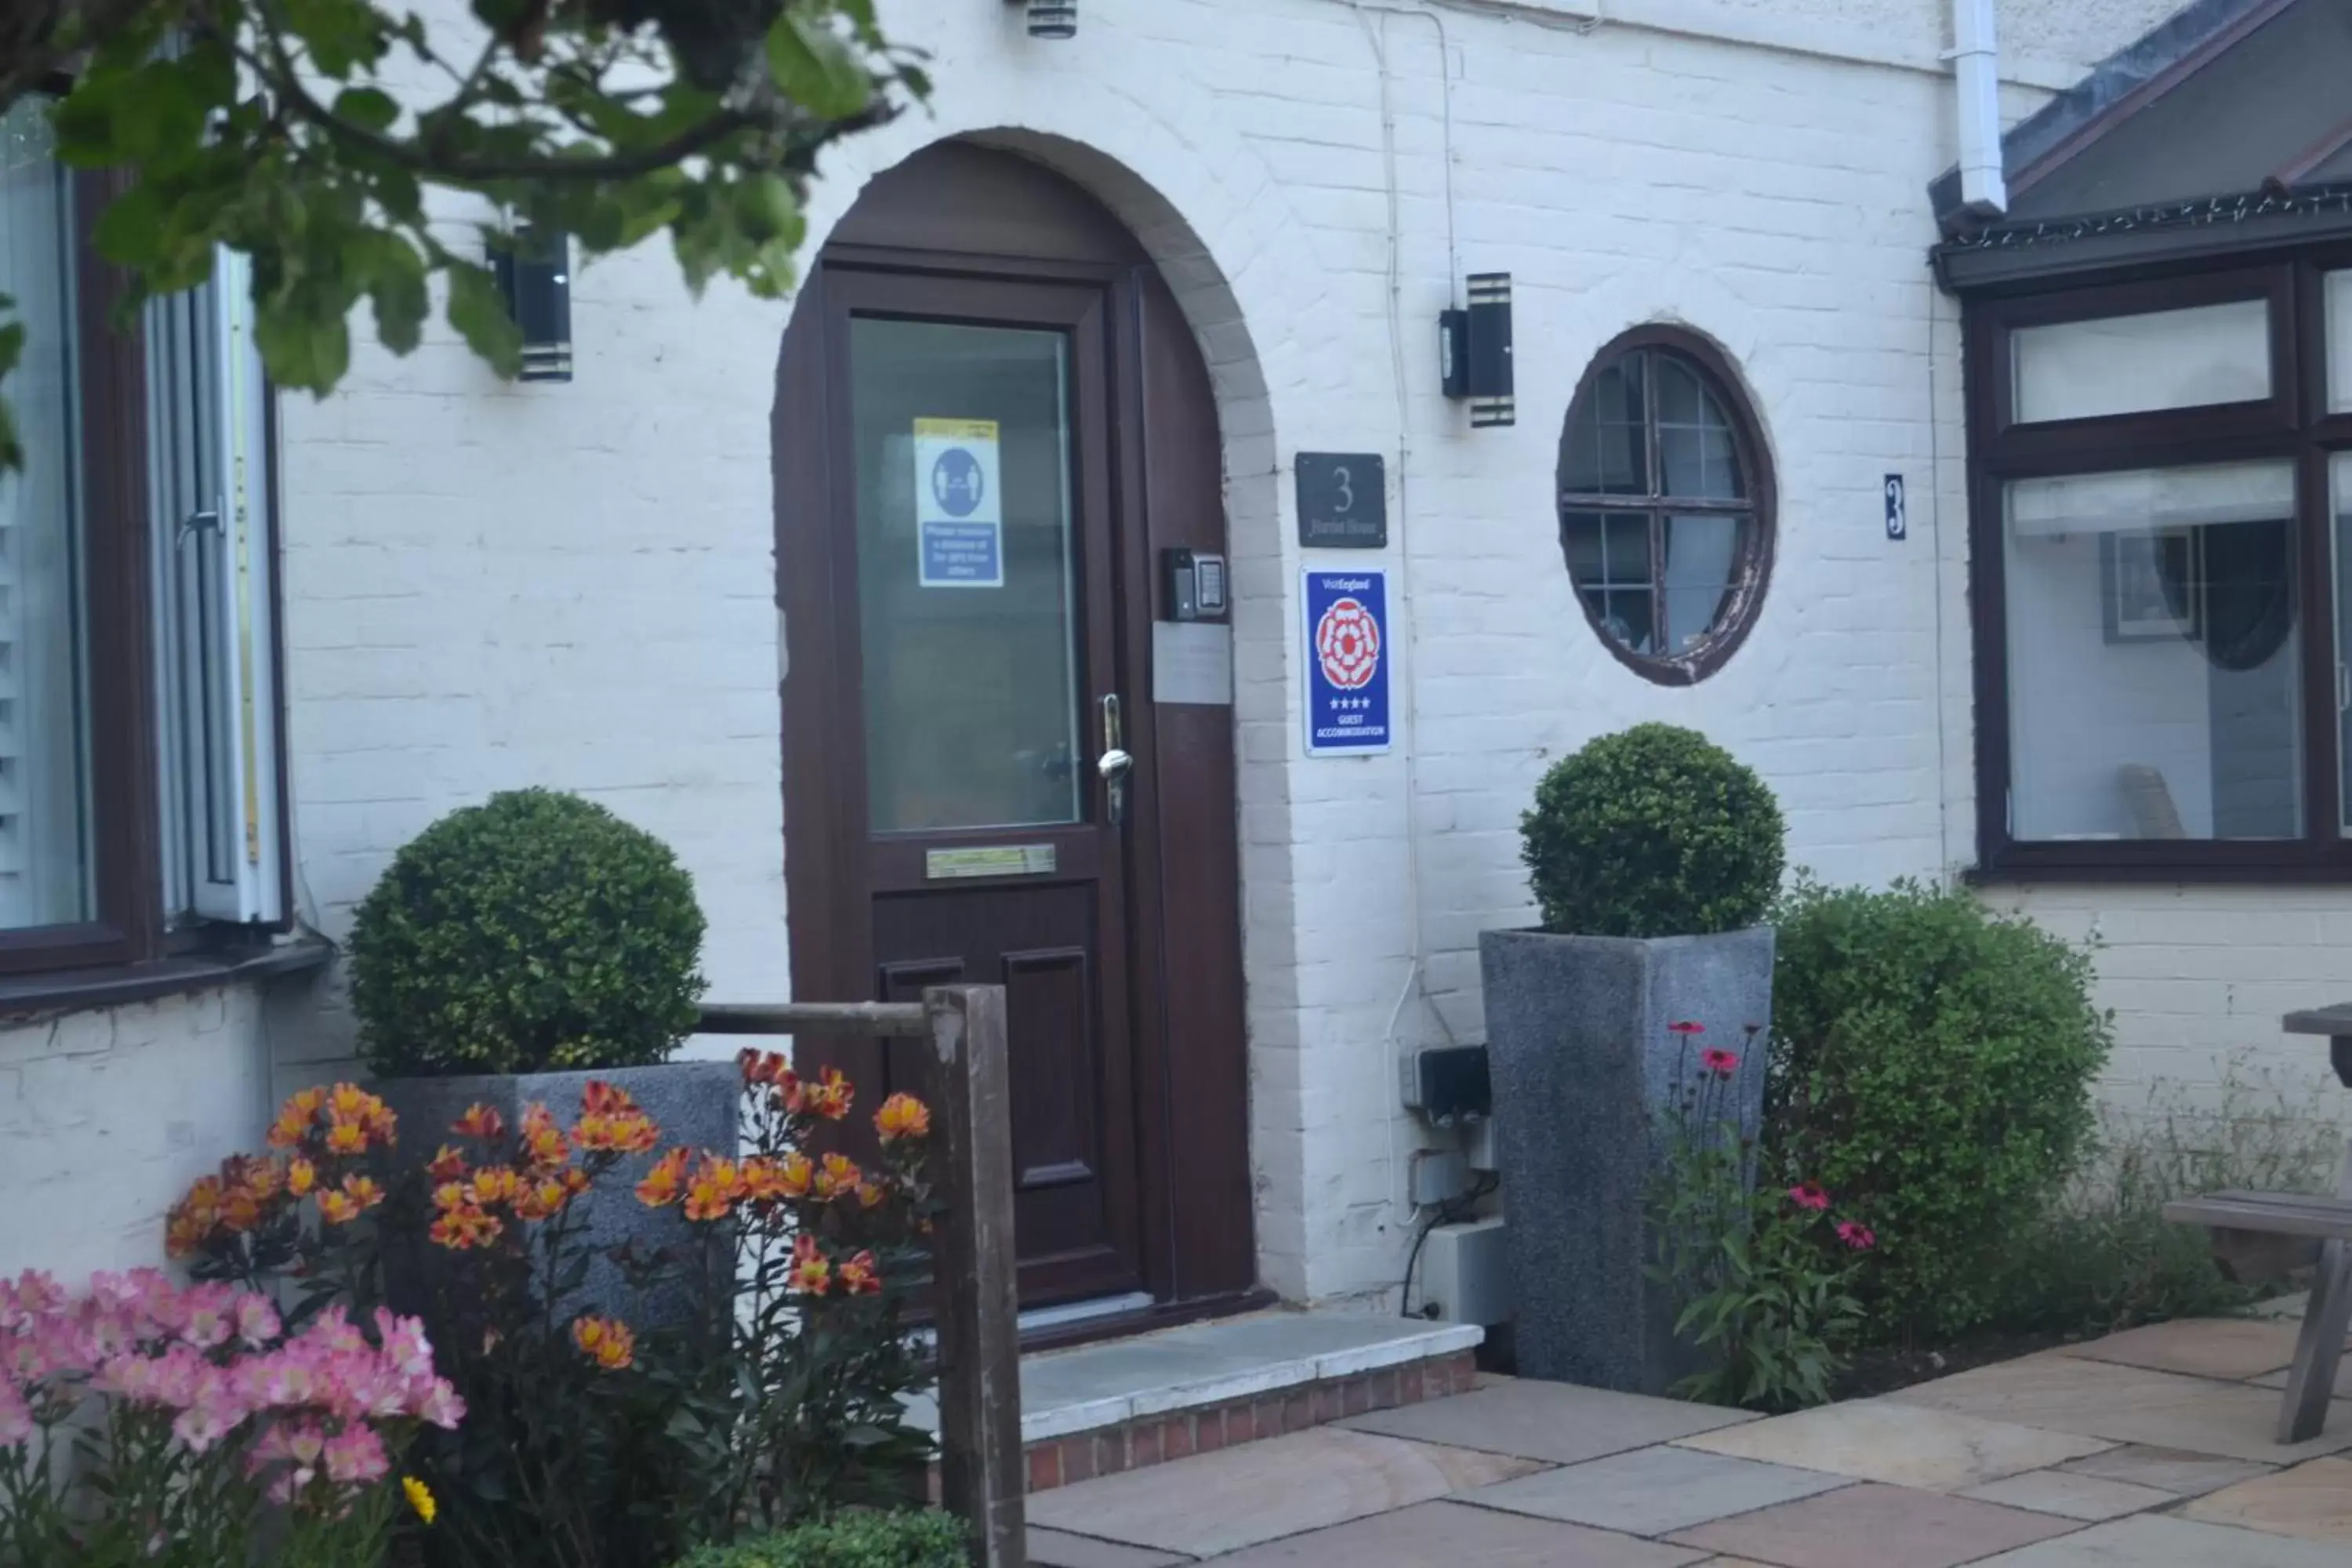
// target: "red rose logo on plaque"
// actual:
[[1347, 644]]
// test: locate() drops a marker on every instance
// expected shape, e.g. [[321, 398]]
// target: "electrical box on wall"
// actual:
[[1466, 1273], [1448, 1084]]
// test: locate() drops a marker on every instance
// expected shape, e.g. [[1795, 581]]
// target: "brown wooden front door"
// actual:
[[977, 787]]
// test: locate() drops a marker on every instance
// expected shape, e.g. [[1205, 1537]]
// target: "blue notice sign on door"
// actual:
[[1347, 625], [963, 555]]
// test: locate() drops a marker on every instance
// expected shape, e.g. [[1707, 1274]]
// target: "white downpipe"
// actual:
[[1976, 71]]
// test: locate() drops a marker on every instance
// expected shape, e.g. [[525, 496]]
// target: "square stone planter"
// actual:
[[1583, 1064], [694, 1103]]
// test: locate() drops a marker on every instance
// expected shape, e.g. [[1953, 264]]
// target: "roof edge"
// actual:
[[2124, 84]]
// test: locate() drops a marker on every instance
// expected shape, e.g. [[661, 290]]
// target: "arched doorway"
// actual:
[[994, 429]]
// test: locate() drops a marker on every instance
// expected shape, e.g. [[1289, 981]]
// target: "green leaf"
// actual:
[[478, 309], [815, 68], [369, 108]]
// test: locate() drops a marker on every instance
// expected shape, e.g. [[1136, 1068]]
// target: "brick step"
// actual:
[[1122, 1405]]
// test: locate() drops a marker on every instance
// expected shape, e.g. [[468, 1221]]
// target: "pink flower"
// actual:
[[257, 1320], [1809, 1195], [1686, 1027], [355, 1456], [441, 1407], [1856, 1234], [1721, 1063]]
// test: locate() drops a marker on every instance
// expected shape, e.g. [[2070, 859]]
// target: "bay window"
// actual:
[[2161, 491], [139, 801]]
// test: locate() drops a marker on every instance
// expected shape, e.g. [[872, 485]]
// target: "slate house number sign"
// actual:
[[1342, 500]]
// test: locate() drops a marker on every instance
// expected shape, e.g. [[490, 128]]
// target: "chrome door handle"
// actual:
[[1114, 763]]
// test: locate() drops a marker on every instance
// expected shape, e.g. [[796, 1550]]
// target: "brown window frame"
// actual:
[[1752, 570], [112, 389], [2293, 423]]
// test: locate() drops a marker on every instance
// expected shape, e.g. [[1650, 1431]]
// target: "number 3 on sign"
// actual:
[[1346, 501], [1898, 521]]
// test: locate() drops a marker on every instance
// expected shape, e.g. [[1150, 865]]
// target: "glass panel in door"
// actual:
[[967, 575]]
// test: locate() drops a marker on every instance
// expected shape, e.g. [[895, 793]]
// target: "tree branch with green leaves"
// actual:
[[310, 134]]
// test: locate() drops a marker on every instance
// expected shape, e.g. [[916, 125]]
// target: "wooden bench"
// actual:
[[2262, 1235]]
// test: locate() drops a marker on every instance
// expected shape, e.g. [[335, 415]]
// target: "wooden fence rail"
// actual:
[[982, 1474]]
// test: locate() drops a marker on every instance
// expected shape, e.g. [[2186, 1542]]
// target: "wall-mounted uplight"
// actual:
[[534, 272], [1053, 18], [1474, 351]]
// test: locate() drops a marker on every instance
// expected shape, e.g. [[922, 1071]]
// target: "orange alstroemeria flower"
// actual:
[[467, 1228], [480, 1122], [294, 1118], [337, 1208], [836, 1177], [713, 1188], [860, 1276], [608, 1342], [795, 1175], [301, 1176], [627, 1131], [239, 1212], [451, 1196], [544, 1144], [829, 1098], [493, 1185], [260, 1177], [902, 1116], [363, 1191], [601, 1099], [872, 1194], [665, 1181], [448, 1166], [810, 1273], [346, 1137], [541, 1199]]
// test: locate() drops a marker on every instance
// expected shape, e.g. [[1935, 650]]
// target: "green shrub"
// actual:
[[908, 1539], [2105, 1257], [533, 933], [1932, 1065], [1652, 832]]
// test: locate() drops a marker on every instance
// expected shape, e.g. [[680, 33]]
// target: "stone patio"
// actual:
[[2147, 1449]]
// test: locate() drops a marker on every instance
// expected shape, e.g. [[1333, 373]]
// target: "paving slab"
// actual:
[[1446, 1532], [1558, 1423], [1054, 1549], [1901, 1445], [2125, 1404], [1651, 1491], [1872, 1526], [2160, 1540], [2313, 1501], [2343, 1390], [2071, 1496], [1262, 1491], [2232, 1348], [2167, 1469]]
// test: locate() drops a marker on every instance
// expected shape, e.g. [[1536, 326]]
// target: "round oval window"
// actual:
[[1665, 503]]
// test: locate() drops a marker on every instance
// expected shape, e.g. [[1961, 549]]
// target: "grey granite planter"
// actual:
[[695, 1104], [1583, 1063]]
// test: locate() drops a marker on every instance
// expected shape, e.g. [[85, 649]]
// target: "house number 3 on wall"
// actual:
[[1342, 500]]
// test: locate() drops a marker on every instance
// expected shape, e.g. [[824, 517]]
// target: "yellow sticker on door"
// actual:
[[959, 510]]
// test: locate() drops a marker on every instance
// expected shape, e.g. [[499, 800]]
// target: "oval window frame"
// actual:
[[1753, 572]]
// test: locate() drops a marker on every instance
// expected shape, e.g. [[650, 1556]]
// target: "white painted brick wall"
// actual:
[[572, 586], [106, 1117]]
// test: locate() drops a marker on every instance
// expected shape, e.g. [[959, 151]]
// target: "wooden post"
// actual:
[[983, 1472]]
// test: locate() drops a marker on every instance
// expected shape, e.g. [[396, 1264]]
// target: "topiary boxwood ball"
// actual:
[[535, 933], [1652, 832]]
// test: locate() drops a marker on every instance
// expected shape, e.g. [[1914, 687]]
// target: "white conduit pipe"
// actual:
[[1976, 71]]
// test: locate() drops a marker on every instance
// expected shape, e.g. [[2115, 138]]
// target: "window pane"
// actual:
[[2340, 482], [2131, 364], [1701, 553], [2339, 342], [1696, 457], [44, 807], [2152, 655], [967, 576]]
